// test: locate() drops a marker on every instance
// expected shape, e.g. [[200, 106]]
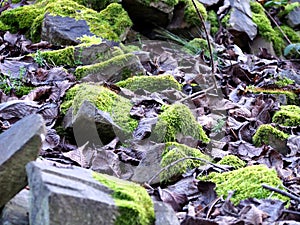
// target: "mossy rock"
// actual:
[[174, 120], [150, 83], [269, 135], [175, 151], [111, 23], [134, 204], [96, 4], [104, 99], [196, 45], [247, 183], [288, 115], [190, 13], [232, 160]]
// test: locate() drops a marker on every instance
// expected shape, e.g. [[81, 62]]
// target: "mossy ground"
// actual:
[[288, 115], [104, 99], [266, 133], [150, 83], [110, 23], [232, 160], [177, 119], [247, 183], [175, 151], [196, 45], [133, 202]]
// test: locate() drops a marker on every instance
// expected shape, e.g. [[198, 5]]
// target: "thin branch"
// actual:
[[178, 161], [208, 43], [281, 192], [195, 94]]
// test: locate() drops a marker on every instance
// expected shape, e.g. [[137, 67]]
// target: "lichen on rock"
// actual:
[[134, 204], [246, 183], [288, 115], [177, 119], [266, 134], [150, 83]]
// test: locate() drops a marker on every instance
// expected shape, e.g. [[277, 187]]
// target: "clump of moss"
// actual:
[[213, 19], [177, 119], [232, 160], [118, 60], [288, 8], [104, 99], [29, 18], [196, 45], [246, 182], [134, 204], [284, 82], [175, 151], [288, 115], [61, 57], [150, 83], [190, 13], [266, 134], [89, 40]]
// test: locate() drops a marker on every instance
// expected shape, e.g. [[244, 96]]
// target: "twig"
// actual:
[[208, 43], [277, 25], [212, 204], [281, 192], [195, 94], [178, 161]]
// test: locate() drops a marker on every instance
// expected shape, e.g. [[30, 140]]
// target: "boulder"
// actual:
[[76, 196], [59, 30], [260, 42], [19, 145], [165, 214], [293, 18]]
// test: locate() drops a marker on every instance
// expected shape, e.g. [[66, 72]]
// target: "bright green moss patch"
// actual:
[[61, 57], [117, 106], [288, 8], [119, 60], [175, 151], [150, 83], [213, 19], [288, 115], [246, 182], [232, 160], [196, 45], [284, 82], [190, 13], [266, 134], [177, 119], [29, 18], [134, 204]]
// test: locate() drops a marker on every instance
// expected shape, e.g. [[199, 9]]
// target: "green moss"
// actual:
[[61, 57], [232, 160], [213, 19], [150, 83], [282, 82], [289, 32], [109, 23], [247, 183], [177, 119], [175, 151], [134, 204], [288, 115], [225, 19], [266, 134], [95, 4], [89, 40], [129, 48], [190, 13], [104, 99], [288, 8], [82, 71], [196, 45]]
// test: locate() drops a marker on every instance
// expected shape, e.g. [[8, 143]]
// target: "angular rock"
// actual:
[[209, 2], [19, 145], [293, 18], [165, 214], [259, 43], [59, 30], [16, 210], [69, 196]]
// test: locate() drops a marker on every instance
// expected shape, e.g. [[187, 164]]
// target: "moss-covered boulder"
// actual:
[[288, 115], [105, 100], [110, 23], [150, 83], [173, 152], [177, 119], [134, 204], [246, 183]]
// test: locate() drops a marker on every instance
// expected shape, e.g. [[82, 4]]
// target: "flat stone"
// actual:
[[68, 196], [59, 30], [293, 18], [165, 214], [16, 211], [19, 145]]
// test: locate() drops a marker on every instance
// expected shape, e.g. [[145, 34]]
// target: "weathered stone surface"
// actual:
[[69, 196], [293, 18], [16, 210], [260, 42], [209, 2], [149, 165], [19, 145], [59, 30], [165, 214], [93, 125]]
